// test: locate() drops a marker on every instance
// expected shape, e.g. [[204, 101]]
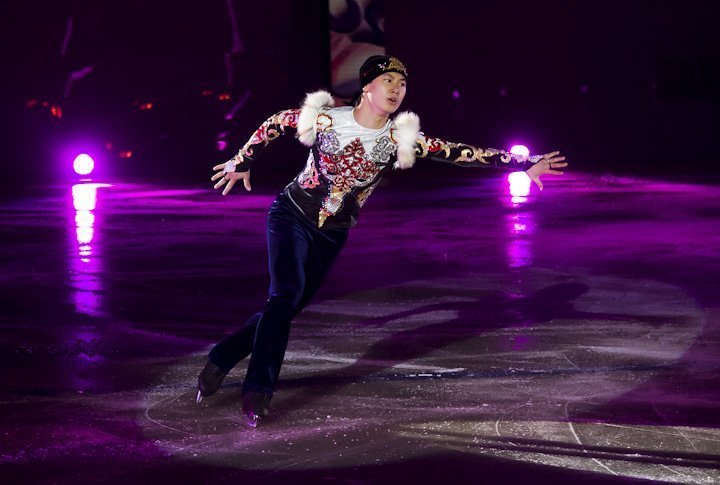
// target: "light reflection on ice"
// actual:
[[519, 247], [84, 261]]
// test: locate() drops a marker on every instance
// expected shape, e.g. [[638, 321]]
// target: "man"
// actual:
[[308, 224]]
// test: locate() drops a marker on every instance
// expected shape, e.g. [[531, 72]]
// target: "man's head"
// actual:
[[383, 80], [374, 66]]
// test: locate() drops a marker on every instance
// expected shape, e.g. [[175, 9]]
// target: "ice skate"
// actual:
[[209, 380], [256, 406]]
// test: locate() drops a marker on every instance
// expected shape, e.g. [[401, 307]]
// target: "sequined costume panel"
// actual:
[[345, 164]]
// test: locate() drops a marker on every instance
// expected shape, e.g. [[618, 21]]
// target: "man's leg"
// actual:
[[234, 348], [224, 356], [321, 257], [285, 238], [289, 241], [271, 339]]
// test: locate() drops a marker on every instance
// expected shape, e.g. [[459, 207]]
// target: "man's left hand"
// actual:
[[548, 164]]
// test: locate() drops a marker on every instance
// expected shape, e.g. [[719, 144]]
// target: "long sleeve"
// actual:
[[465, 155], [277, 125]]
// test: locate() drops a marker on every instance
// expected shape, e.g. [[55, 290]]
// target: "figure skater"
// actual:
[[351, 148]]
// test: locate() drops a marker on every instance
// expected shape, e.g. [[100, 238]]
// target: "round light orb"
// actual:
[[83, 164], [520, 150]]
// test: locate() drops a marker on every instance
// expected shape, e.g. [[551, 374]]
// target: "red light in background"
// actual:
[[206, 92], [55, 110], [108, 145], [224, 96], [126, 154], [146, 106]]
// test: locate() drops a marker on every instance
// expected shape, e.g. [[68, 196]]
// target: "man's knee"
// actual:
[[284, 301]]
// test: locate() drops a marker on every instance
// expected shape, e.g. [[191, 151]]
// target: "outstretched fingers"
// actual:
[[547, 165], [229, 186], [552, 162], [538, 182], [553, 157], [222, 182]]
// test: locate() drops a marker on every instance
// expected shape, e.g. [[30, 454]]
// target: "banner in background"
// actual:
[[357, 32]]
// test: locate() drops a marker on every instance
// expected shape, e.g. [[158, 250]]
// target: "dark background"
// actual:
[[621, 87]]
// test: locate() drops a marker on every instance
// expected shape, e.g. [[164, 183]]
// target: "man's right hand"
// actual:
[[230, 178]]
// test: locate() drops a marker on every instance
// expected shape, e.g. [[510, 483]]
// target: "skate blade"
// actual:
[[251, 420], [199, 397]]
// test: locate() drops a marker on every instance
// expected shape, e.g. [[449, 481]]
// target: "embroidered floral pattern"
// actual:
[[461, 153], [272, 128]]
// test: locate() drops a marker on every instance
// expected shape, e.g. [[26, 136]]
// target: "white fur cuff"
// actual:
[[407, 129], [306, 126]]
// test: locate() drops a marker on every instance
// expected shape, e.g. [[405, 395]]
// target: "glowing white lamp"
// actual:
[[83, 164]]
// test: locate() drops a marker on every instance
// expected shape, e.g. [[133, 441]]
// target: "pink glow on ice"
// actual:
[[84, 201], [83, 164], [520, 248], [519, 253], [86, 263], [84, 197], [84, 218], [519, 184], [84, 235], [520, 223]]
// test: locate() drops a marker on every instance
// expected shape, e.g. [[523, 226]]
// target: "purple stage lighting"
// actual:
[[519, 181], [519, 184], [521, 150], [84, 197], [83, 164]]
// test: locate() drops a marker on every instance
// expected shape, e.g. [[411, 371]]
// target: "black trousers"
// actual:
[[299, 257]]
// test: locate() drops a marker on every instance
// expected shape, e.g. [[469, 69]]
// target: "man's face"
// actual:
[[386, 92]]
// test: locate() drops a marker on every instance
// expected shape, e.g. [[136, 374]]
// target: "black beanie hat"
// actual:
[[376, 65]]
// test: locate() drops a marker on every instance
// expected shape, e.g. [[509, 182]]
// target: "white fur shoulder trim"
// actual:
[[407, 129], [306, 126]]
